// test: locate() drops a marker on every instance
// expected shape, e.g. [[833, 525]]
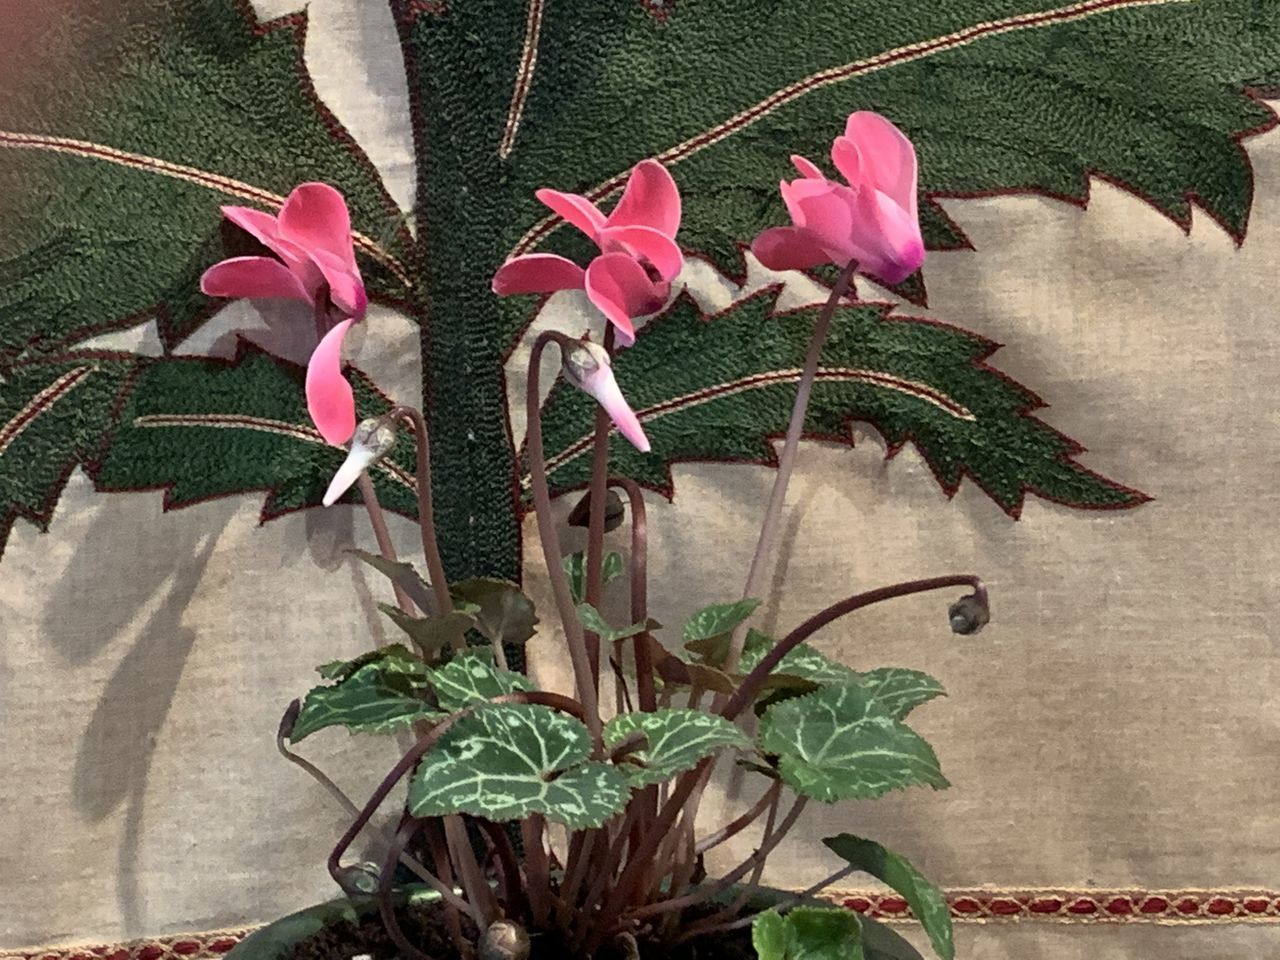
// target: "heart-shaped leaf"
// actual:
[[676, 741], [833, 745], [470, 677], [382, 695], [507, 761]]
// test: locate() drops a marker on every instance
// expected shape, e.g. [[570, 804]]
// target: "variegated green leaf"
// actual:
[[575, 568], [395, 658], [676, 740], [507, 761], [897, 691], [834, 744], [801, 661], [925, 900], [376, 697], [470, 677]]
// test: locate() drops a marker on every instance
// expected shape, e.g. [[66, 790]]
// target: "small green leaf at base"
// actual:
[[507, 761], [925, 900], [504, 615], [808, 933], [677, 740], [834, 745]]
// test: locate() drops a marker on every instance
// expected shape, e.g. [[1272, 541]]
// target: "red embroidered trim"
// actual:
[[967, 906], [1083, 906]]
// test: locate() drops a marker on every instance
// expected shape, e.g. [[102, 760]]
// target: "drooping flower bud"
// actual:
[[372, 440], [969, 614], [586, 365]]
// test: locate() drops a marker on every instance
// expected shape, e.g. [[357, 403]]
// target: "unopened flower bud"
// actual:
[[969, 615], [586, 365], [504, 940], [372, 441]]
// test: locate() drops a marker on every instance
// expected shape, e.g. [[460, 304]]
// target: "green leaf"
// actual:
[[917, 381], [470, 677], [113, 163], [801, 661], [395, 658], [430, 634], [925, 900], [594, 622], [203, 428], [575, 568], [808, 933], [380, 696], [834, 745], [677, 740], [882, 942], [507, 761], [54, 414], [717, 619], [771, 936], [896, 691], [504, 615]]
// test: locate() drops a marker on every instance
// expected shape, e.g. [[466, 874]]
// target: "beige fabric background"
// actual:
[[1116, 726]]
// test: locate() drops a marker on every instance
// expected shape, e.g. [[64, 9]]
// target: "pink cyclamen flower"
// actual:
[[586, 365], [873, 219], [314, 263], [638, 257]]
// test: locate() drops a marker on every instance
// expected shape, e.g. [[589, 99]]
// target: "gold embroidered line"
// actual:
[[178, 171], [912, 388], [282, 428], [524, 77], [832, 75], [38, 404]]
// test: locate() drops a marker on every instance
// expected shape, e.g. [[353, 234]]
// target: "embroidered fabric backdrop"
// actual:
[[1111, 731]]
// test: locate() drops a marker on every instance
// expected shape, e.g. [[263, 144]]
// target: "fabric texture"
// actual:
[[1113, 729]]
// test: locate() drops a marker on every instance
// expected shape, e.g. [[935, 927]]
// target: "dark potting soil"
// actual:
[[425, 928]]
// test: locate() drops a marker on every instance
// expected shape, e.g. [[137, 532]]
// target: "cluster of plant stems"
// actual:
[[639, 876]]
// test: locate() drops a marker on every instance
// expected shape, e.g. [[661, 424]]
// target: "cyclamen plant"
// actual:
[[611, 846]]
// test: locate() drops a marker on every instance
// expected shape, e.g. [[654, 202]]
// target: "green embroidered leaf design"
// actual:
[[808, 933], [507, 761], [503, 613], [115, 155], [926, 900], [575, 568], [676, 741], [470, 677], [834, 745], [204, 428], [380, 696], [54, 413], [914, 380]]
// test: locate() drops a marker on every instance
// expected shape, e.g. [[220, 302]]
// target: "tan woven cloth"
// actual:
[[1114, 729]]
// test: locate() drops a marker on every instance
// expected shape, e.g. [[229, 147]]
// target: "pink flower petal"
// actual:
[[538, 273], [575, 208], [786, 248], [604, 387], [848, 160], [253, 277], [330, 400], [824, 211], [649, 200], [888, 157], [622, 291], [315, 218], [346, 288], [264, 228], [892, 239], [807, 168], [647, 243]]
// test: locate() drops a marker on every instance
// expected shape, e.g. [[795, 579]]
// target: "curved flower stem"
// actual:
[[587, 692], [378, 520], [386, 902], [426, 515], [753, 681], [767, 543], [646, 693], [595, 516], [732, 829]]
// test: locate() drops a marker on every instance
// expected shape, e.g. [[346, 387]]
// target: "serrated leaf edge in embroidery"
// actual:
[[41, 402]]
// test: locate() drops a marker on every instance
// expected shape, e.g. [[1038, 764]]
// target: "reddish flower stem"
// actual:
[[378, 520], [595, 514]]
